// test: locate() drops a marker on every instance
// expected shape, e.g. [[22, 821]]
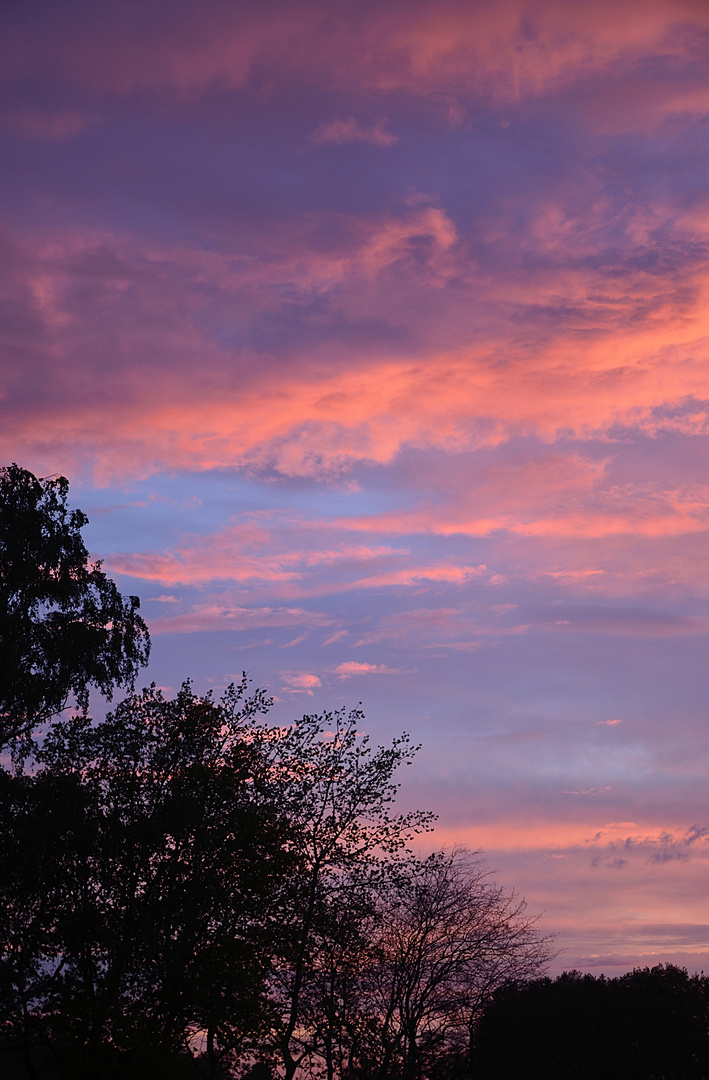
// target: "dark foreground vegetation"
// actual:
[[186, 890], [652, 1024]]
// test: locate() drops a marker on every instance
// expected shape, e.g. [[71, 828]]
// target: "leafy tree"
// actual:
[[64, 627], [337, 793], [141, 882], [665, 1023], [182, 884]]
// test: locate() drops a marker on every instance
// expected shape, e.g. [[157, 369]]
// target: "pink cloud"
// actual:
[[193, 566], [349, 668], [323, 419], [463, 628], [304, 680], [59, 126], [570, 835], [238, 553], [586, 791], [629, 103], [301, 683], [417, 574], [274, 549], [508, 51], [223, 615], [553, 495], [350, 130]]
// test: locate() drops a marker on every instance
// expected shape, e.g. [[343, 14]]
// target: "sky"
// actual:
[[374, 340]]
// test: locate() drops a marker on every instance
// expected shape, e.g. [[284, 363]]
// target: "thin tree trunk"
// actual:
[[288, 1060], [211, 1055]]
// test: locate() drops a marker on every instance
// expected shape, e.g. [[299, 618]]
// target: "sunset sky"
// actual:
[[374, 339]]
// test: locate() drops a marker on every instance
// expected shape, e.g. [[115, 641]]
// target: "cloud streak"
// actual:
[[508, 51], [350, 130]]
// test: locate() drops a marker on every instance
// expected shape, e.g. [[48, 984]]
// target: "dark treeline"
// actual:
[[187, 890], [651, 1024]]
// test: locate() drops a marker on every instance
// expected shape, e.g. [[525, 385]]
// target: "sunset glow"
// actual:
[[374, 341]]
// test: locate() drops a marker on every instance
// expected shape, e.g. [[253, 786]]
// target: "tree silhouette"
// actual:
[[337, 791], [140, 882], [446, 938], [64, 627], [651, 1024]]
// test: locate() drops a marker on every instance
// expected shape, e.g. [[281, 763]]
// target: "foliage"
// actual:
[[338, 793], [64, 627], [140, 882], [651, 1024], [387, 958], [182, 882]]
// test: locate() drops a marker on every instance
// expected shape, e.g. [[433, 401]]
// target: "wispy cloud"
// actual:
[[226, 616], [657, 850], [350, 130], [45, 125], [348, 668]]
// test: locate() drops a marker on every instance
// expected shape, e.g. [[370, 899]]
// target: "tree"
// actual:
[[385, 959], [651, 1024], [140, 883], [64, 626], [337, 792], [447, 938]]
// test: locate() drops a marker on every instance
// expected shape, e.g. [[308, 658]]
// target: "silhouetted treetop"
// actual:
[[64, 626], [651, 1024]]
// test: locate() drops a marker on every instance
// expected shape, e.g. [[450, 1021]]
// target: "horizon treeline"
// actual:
[[188, 890]]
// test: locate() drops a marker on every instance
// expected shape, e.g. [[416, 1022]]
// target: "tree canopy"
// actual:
[[64, 626], [182, 883], [142, 880], [651, 1024]]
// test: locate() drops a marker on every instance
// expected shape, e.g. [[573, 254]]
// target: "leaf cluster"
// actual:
[[139, 860], [64, 626]]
